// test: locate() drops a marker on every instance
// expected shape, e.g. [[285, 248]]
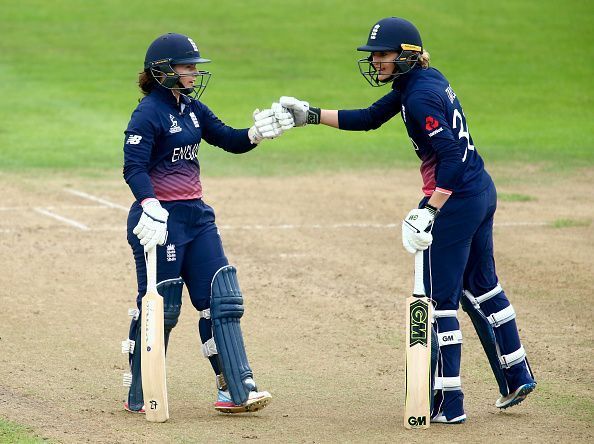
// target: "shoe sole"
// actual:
[[522, 394], [253, 406], [136, 412]]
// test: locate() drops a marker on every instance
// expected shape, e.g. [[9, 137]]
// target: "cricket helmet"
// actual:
[[391, 34], [175, 49]]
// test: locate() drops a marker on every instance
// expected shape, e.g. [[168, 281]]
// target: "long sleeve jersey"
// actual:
[[161, 145], [437, 128]]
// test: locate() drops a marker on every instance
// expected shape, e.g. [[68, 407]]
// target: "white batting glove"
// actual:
[[283, 116], [416, 229], [301, 111], [265, 126], [152, 226]]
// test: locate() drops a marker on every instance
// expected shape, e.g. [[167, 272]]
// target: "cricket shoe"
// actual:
[[256, 401], [128, 409], [515, 397], [441, 419]]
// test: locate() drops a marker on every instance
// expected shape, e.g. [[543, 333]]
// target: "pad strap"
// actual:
[[134, 313], [205, 314], [449, 337], [513, 358], [128, 346], [448, 384], [480, 299], [502, 316], [445, 314], [209, 348]]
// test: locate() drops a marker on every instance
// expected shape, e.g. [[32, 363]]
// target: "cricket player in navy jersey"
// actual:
[[161, 167], [453, 223]]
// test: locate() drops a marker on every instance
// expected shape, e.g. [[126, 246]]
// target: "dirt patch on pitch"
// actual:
[[324, 278]]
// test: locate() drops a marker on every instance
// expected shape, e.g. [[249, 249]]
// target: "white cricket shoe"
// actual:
[[256, 401], [441, 419], [515, 397]]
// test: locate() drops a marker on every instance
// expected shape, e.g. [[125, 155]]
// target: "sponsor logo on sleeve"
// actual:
[[451, 94], [432, 125], [133, 139]]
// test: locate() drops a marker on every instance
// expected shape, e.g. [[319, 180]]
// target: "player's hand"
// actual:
[[416, 229], [266, 126], [301, 111], [152, 226], [283, 116]]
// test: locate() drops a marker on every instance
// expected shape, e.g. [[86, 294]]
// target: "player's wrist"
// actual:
[[313, 115], [147, 201], [433, 210]]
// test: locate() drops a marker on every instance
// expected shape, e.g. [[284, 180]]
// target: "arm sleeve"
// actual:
[[428, 111], [217, 133], [138, 145], [370, 118]]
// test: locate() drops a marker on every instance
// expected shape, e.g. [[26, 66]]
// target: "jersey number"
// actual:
[[463, 132]]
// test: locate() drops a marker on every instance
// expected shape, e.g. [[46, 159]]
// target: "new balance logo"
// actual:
[[133, 140]]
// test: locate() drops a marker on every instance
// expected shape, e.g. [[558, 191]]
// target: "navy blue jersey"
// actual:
[[162, 141], [437, 128]]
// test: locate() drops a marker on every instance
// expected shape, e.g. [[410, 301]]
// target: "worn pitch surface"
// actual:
[[324, 278]]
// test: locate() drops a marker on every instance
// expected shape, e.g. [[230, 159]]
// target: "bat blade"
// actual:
[[417, 414], [154, 379]]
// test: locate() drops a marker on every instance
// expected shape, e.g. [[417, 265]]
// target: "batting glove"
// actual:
[[283, 116], [416, 228], [152, 226], [266, 126], [301, 111]]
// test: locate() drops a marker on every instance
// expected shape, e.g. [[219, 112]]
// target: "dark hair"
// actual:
[[146, 82]]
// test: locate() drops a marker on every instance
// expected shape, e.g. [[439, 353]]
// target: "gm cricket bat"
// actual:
[[418, 353], [154, 379]]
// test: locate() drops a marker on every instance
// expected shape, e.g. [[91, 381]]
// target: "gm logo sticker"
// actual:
[[419, 314]]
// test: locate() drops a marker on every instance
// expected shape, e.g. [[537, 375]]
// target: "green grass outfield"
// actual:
[[522, 69]]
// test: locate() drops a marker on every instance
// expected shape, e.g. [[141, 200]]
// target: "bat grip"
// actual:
[[419, 288], [151, 270]]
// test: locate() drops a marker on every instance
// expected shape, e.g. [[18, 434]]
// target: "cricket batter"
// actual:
[[453, 223], [161, 167]]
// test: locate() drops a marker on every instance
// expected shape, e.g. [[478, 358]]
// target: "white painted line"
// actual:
[[352, 225], [121, 229], [15, 208], [57, 207], [522, 224], [96, 199], [61, 218], [75, 207]]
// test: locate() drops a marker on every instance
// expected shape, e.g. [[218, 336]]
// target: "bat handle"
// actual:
[[419, 288], [151, 270]]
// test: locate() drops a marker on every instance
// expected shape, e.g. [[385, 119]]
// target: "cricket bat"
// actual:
[[154, 379], [418, 353]]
